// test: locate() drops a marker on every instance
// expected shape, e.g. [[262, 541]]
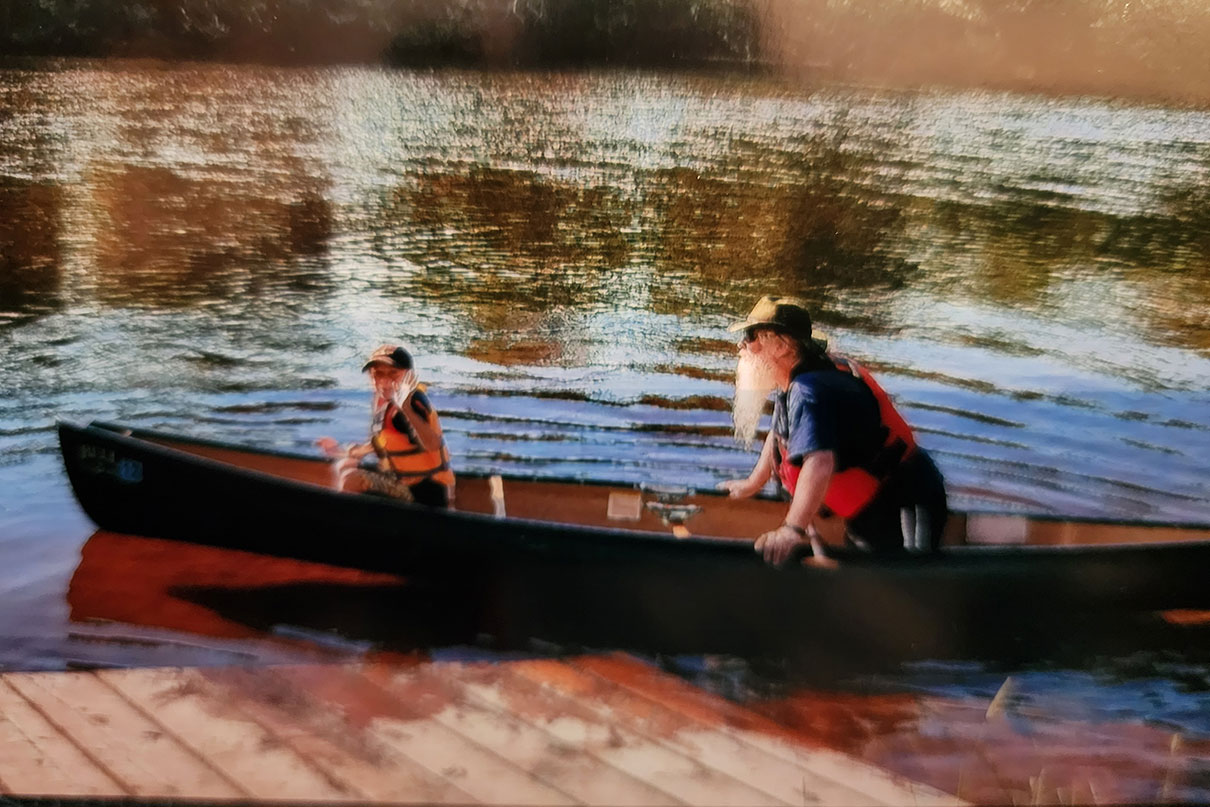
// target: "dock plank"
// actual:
[[569, 767], [582, 731], [318, 731], [40, 761], [141, 754], [875, 784], [409, 728], [230, 741]]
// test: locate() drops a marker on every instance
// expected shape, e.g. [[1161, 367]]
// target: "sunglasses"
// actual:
[[751, 334]]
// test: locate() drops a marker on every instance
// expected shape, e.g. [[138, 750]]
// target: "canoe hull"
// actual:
[[618, 587]]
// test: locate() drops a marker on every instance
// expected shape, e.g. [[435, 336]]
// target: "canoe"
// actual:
[[613, 563]]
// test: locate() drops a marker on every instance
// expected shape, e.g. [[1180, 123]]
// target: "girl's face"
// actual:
[[386, 379]]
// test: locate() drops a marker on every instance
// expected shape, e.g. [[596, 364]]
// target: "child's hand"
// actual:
[[330, 447], [407, 385]]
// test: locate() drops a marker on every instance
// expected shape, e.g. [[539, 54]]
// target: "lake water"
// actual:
[[212, 250]]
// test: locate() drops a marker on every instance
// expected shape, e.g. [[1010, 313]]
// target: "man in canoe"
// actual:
[[413, 462], [837, 444]]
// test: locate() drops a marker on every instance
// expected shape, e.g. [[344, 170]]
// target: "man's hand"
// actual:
[[777, 545], [741, 488]]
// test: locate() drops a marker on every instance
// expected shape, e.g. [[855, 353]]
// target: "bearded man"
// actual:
[[837, 444]]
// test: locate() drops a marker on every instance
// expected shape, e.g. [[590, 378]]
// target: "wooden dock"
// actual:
[[588, 730]]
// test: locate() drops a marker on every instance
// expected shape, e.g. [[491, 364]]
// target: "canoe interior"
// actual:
[[583, 504], [588, 504]]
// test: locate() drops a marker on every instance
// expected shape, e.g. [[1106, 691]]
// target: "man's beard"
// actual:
[[754, 380]]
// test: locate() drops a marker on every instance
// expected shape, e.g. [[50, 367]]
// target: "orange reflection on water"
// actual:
[[133, 580]]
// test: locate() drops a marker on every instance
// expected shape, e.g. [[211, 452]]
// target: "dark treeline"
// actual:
[[479, 33], [1103, 47]]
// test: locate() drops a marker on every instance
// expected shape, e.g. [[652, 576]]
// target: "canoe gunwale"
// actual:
[[149, 436]]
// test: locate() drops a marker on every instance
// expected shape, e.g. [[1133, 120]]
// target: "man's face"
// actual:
[[764, 342], [759, 352]]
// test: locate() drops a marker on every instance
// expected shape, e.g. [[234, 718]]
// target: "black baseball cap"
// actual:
[[390, 356]]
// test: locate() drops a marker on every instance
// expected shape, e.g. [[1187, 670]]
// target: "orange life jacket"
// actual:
[[403, 452], [850, 490]]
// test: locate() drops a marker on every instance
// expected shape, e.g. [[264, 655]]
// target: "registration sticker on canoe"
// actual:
[[624, 506], [101, 461], [130, 471]]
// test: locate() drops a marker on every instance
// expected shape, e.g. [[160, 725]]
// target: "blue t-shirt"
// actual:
[[828, 410]]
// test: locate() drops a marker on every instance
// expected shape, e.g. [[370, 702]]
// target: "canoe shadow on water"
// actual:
[[418, 617], [228, 594]]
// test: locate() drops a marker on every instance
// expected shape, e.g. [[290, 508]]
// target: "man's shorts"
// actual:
[[909, 511]]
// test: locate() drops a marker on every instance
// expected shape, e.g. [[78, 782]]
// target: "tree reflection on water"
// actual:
[[476, 233], [166, 239], [30, 251]]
